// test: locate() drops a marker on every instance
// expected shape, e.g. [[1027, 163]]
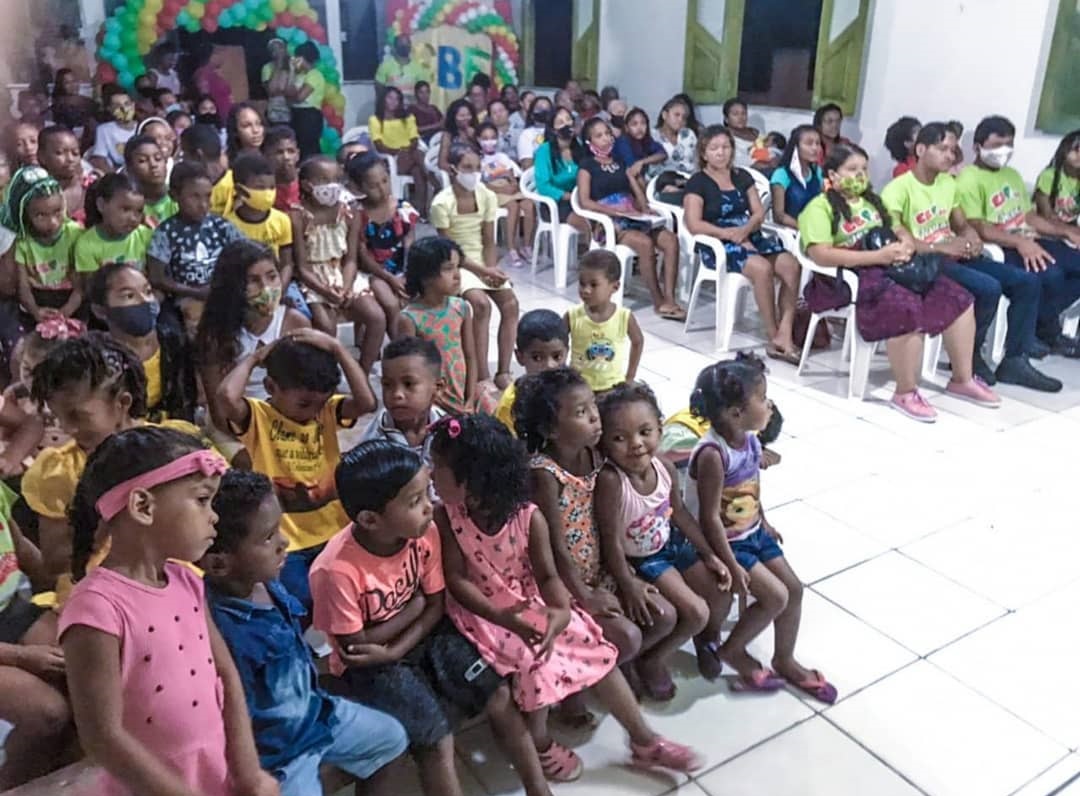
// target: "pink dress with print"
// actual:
[[172, 694], [500, 567]]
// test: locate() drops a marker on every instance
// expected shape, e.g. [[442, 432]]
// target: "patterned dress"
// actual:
[[498, 564], [443, 327], [578, 521]]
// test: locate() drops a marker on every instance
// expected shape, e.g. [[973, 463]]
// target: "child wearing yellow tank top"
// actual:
[[605, 339]]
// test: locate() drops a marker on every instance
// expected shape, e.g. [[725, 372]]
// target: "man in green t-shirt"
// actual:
[[995, 200], [400, 71], [924, 201]]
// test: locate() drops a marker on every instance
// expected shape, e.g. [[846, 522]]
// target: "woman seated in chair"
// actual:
[[604, 187], [461, 124], [834, 228], [394, 132], [797, 178], [556, 167], [722, 202]]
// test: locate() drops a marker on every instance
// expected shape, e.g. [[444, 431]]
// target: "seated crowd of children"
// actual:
[[177, 515]]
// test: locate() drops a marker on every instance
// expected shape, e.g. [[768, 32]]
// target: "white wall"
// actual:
[[933, 59]]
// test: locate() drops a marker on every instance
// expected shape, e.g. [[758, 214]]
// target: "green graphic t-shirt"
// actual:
[[10, 576], [156, 212], [1067, 205], [923, 210], [997, 197], [48, 267], [815, 223], [93, 251]]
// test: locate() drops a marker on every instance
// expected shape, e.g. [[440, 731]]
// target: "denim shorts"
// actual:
[[756, 548], [678, 553], [364, 740]]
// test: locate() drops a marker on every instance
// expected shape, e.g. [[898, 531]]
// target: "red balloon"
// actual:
[[318, 32], [210, 25], [286, 19], [106, 73]]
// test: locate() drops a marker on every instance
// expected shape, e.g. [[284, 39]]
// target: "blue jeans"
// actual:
[[1060, 285], [294, 575], [987, 280], [364, 741]]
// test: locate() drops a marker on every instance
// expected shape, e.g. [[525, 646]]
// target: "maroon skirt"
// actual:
[[885, 309]]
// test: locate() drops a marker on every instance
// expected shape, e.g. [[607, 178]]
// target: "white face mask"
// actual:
[[327, 195], [996, 158], [468, 180]]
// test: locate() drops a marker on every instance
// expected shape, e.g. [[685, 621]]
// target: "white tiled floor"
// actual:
[[942, 598]]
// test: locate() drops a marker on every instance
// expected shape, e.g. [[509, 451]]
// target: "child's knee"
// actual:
[[480, 303], [794, 592], [49, 718], [626, 637], [694, 614], [501, 703], [774, 598], [664, 618]]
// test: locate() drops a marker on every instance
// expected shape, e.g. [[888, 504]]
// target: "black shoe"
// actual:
[[1068, 347], [1017, 370], [1038, 349], [983, 371]]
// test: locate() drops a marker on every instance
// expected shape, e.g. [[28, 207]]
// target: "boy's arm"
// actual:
[[97, 702], [637, 345], [243, 758], [365, 648], [285, 263], [230, 399]]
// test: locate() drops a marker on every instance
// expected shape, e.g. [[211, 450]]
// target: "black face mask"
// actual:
[[137, 320], [541, 116], [618, 121], [565, 133], [402, 51]]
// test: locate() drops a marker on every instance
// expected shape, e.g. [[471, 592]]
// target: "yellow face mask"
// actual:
[[260, 200]]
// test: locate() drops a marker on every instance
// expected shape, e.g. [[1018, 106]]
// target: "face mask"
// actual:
[[996, 158], [262, 200], [566, 132], [137, 320], [601, 152], [327, 195], [176, 106], [266, 300], [775, 151], [468, 180], [402, 50], [855, 186], [489, 146], [125, 114], [618, 121], [541, 116]]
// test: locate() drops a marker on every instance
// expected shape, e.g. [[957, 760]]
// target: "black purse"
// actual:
[[918, 274]]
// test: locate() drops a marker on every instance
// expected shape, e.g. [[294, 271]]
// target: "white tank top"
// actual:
[[250, 342]]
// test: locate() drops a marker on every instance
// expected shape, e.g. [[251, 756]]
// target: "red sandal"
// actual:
[[560, 764]]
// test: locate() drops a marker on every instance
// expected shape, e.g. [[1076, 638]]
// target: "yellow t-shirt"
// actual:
[[223, 195], [48, 487], [275, 231], [600, 352], [300, 459], [503, 411], [152, 368], [465, 229], [393, 133]]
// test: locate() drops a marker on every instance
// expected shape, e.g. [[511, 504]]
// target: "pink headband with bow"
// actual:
[[206, 462]]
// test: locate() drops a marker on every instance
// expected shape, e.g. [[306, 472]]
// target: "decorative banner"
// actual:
[[131, 32], [474, 16], [456, 56]]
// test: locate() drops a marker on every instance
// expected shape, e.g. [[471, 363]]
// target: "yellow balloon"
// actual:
[[261, 27], [196, 10]]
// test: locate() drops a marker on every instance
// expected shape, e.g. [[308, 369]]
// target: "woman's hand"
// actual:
[[493, 277], [893, 254]]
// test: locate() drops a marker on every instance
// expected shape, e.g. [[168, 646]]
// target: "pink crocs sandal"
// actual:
[[662, 753], [560, 764]]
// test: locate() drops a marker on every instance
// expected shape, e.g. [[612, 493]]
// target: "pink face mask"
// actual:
[[601, 152]]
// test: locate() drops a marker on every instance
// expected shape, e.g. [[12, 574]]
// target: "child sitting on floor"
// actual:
[[724, 481], [292, 437], [542, 344], [507, 598], [605, 339], [411, 368], [379, 590], [297, 724]]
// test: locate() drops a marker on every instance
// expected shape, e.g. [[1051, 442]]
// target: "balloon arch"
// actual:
[[130, 33]]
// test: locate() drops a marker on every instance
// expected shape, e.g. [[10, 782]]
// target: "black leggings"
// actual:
[[308, 124]]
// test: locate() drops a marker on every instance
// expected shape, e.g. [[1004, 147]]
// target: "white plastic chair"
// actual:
[[561, 238], [625, 254], [431, 160], [675, 217], [728, 288], [854, 348]]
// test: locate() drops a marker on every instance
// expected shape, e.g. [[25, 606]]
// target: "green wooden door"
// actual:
[[1059, 105], [713, 42], [585, 57], [841, 39]]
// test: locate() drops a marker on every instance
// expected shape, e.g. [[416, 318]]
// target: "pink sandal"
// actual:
[[761, 681], [817, 687], [662, 753], [560, 764]]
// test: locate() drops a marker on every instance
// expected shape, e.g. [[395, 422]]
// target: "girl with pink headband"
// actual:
[[156, 697]]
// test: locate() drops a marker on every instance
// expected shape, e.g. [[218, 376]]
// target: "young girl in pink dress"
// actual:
[[507, 598], [157, 700]]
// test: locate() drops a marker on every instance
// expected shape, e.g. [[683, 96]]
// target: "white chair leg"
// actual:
[[808, 343], [860, 368], [1000, 329], [931, 357], [694, 292], [727, 312], [537, 242]]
